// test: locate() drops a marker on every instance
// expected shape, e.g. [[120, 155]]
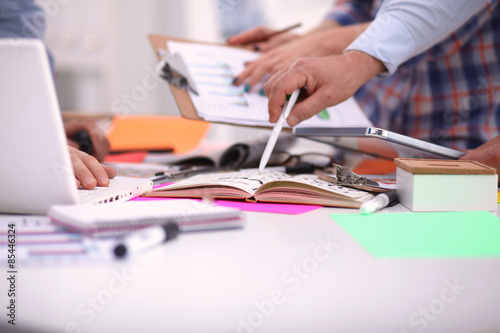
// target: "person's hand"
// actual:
[[317, 44], [100, 143], [258, 39], [327, 81], [89, 173], [488, 153]]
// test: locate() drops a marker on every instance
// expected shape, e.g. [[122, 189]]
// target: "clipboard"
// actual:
[[181, 96], [184, 103], [338, 114]]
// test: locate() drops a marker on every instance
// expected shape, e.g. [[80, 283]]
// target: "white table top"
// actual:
[[281, 273]]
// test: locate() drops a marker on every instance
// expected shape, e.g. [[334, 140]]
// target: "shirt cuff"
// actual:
[[388, 40]]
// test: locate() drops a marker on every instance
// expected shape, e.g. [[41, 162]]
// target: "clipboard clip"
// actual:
[[173, 69], [347, 177]]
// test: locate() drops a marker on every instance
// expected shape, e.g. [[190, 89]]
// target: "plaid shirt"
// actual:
[[450, 94]]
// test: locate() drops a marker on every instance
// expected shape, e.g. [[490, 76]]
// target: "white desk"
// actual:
[[243, 281]]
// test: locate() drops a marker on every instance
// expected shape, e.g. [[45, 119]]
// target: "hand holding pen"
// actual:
[[269, 42], [263, 38]]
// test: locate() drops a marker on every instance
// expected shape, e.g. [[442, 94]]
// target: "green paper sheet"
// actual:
[[441, 234]]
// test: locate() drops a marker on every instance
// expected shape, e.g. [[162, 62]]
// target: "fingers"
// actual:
[[495, 142], [323, 81], [279, 86], [308, 108], [253, 35], [274, 42], [88, 171], [253, 74], [110, 171], [489, 155], [72, 143], [100, 143]]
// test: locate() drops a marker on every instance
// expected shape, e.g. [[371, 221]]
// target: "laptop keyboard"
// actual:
[[83, 193]]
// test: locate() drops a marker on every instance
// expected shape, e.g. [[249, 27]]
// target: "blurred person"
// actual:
[[26, 19], [425, 69]]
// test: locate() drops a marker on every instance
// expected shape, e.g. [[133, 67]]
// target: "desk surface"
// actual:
[[281, 273]]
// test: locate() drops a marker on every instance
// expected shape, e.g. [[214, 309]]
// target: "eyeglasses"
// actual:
[[286, 159]]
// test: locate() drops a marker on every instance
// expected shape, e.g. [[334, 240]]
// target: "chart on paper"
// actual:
[[213, 68]]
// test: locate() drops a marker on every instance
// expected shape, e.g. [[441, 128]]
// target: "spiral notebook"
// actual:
[[122, 218]]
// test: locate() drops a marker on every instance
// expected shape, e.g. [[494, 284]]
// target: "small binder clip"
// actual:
[[346, 177], [173, 69]]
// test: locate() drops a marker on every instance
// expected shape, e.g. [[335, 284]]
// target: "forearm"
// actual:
[[325, 25], [335, 39]]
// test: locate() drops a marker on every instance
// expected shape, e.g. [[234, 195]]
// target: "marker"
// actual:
[[145, 239], [289, 103], [84, 141], [380, 201]]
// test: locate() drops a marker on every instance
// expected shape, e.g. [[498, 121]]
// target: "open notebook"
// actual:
[[267, 186], [36, 170]]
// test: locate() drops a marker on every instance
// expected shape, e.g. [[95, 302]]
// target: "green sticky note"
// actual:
[[440, 234]]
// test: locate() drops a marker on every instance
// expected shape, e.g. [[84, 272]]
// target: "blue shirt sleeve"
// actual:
[[403, 29], [22, 19]]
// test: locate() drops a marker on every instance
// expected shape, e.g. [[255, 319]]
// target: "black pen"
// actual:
[[84, 141], [145, 239]]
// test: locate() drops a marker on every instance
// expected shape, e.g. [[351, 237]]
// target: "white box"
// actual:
[[446, 185]]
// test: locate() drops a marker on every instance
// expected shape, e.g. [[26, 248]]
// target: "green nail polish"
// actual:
[[324, 115], [247, 88]]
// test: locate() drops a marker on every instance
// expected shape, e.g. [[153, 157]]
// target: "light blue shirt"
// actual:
[[22, 19], [403, 29]]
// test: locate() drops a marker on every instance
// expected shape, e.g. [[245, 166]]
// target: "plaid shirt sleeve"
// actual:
[[450, 94], [348, 12]]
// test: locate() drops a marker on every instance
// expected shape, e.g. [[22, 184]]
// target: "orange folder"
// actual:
[[155, 132]]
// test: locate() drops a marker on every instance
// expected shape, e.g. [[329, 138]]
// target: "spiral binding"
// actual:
[[186, 223]]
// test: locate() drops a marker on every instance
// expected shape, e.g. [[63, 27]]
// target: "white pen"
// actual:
[[287, 108]]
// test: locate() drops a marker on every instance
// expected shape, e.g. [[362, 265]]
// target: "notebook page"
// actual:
[[248, 181]]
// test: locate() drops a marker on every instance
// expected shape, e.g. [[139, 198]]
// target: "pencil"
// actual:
[[283, 30]]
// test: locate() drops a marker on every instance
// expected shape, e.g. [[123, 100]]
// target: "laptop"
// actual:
[[36, 170], [377, 142]]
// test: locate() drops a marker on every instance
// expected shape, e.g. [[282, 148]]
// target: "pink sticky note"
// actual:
[[268, 207], [251, 206]]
